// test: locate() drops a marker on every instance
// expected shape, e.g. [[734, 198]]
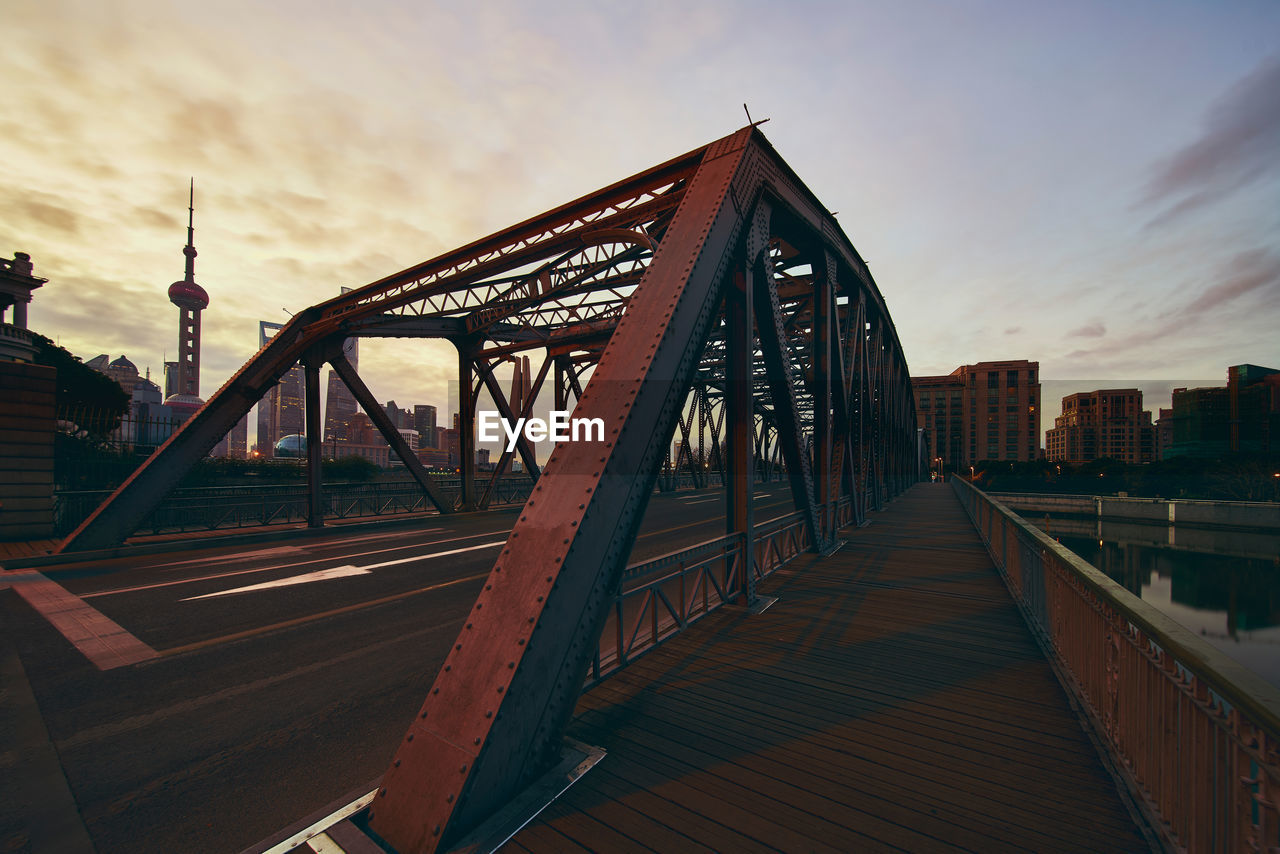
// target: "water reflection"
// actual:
[[1232, 599]]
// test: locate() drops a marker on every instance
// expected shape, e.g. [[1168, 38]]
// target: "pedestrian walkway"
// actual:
[[892, 699]]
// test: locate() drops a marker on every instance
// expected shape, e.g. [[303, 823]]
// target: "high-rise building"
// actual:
[[191, 300], [985, 411], [424, 421], [340, 404], [234, 445], [1243, 417], [282, 411], [1108, 422], [1253, 394], [398, 417]]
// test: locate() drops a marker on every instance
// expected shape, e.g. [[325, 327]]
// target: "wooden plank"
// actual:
[[893, 698], [825, 752]]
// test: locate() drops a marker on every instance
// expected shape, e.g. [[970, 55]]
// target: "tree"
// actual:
[[96, 401]]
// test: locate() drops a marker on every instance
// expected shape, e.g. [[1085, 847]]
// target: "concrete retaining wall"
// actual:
[[1229, 514], [26, 451]]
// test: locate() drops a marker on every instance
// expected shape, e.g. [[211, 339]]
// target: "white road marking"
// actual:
[[341, 572], [157, 584], [288, 550], [318, 575]]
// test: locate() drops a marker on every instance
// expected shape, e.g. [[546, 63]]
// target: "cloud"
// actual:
[[51, 216], [1247, 272], [1089, 330], [1254, 272], [157, 218], [1013, 330], [1236, 148]]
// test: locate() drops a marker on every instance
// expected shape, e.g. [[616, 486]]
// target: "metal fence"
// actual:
[[1196, 733], [220, 507], [663, 596]]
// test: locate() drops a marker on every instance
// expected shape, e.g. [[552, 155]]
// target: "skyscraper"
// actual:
[[340, 404], [191, 299], [281, 412], [424, 421]]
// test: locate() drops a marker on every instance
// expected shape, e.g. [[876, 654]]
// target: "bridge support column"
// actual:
[[774, 353], [466, 427], [823, 281], [311, 371], [739, 467]]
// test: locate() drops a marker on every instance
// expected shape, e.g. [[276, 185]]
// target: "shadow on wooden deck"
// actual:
[[892, 699]]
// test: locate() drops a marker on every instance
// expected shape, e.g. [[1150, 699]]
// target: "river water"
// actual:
[[1228, 594]]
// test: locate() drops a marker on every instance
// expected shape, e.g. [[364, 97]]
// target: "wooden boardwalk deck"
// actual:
[[892, 699]]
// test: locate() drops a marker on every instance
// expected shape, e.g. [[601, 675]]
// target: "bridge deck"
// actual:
[[891, 699]]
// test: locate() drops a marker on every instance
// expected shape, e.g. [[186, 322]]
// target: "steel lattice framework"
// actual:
[[712, 299]]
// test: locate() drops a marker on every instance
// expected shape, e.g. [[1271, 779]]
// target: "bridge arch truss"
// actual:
[[710, 299]]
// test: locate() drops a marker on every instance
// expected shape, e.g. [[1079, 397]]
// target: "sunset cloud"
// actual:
[[1236, 148], [1089, 330], [992, 192]]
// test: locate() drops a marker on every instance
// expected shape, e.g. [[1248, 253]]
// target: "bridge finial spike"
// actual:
[[751, 123]]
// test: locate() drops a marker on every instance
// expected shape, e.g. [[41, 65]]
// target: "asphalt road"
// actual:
[[268, 700]]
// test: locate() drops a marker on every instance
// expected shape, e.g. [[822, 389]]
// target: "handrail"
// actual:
[[1232, 681], [1197, 733], [691, 578]]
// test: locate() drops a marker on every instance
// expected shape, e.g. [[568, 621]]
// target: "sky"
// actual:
[[1091, 185]]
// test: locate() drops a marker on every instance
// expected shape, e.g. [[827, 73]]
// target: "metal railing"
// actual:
[[1197, 734], [220, 507], [663, 596]]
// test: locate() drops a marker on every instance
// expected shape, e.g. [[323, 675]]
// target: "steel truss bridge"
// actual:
[[711, 298]]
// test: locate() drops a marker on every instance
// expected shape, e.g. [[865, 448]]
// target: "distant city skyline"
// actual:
[[1069, 184]]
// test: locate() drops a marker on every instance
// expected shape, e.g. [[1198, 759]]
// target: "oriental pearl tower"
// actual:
[[190, 299]]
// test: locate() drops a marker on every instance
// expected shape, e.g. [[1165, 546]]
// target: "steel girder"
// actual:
[[495, 715], [559, 281], [718, 276]]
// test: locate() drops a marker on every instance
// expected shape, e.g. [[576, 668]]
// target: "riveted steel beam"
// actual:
[[773, 351], [495, 714], [739, 471], [134, 499]]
